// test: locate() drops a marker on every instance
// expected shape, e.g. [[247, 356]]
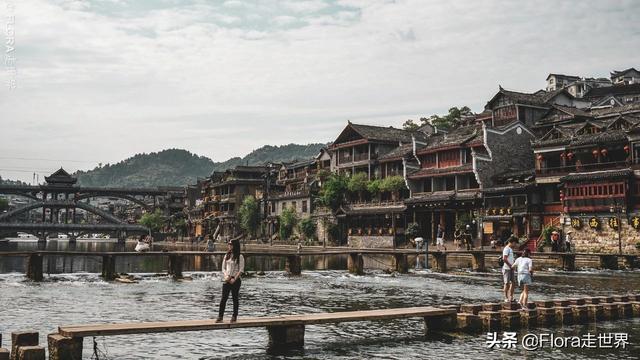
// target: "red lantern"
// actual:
[[539, 157], [562, 155], [595, 153], [570, 155], [626, 149], [604, 152], [561, 195]]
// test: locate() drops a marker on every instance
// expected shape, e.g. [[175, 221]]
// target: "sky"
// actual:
[[98, 81]]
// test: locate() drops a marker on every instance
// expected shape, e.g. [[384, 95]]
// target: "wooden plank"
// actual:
[[210, 324]]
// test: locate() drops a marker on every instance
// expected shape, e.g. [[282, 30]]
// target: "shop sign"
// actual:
[[614, 223], [576, 223], [487, 227], [635, 222], [594, 223], [500, 211]]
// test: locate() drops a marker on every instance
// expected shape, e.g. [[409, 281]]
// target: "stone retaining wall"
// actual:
[[604, 239]]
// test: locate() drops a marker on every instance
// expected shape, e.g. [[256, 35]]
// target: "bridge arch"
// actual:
[[69, 204], [119, 196]]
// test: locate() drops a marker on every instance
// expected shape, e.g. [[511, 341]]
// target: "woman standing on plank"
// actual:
[[232, 268]]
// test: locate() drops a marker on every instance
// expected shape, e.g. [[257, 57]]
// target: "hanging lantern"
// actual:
[[540, 157], [595, 153], [570, 155], [626, 149], [604, 152], [562, 155]]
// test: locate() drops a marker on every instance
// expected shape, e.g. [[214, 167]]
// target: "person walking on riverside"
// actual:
[[440, 238], [232, 268], [524, 266], [507, 271]]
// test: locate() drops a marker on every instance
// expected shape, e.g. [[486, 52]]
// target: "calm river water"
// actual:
[[82, 297]]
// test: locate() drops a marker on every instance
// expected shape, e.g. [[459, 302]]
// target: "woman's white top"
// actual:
[[524, 265], [231, 267]]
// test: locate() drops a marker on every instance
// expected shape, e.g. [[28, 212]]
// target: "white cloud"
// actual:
[[104, 86], [304, 6]]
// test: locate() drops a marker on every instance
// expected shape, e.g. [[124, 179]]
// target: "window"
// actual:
[[429, 161], [450, 183], [293, 205], [551, 194], [304, 206], [426, 185], [449, 158]]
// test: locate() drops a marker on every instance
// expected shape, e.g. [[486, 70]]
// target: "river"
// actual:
[[82, 297]]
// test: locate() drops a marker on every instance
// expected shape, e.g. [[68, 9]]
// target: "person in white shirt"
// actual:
[[524, 266], [232, 268], [507, 271]]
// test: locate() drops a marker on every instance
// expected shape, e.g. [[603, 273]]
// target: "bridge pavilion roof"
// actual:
[[61, 178]]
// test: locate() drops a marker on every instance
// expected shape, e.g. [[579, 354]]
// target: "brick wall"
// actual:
[[605, 240]]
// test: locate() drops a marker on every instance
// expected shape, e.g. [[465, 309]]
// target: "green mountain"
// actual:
[[177, 167]]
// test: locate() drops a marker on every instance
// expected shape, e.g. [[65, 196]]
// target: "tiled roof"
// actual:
[[564, 76], [601, 138], [539, 98], [442, 171], [597, 175], [445, 196], [616, 110], [608, 136], [456, 136], [508, 188], [614, 90], [397, 153], [299, 163], [382, 133], [615, 73]]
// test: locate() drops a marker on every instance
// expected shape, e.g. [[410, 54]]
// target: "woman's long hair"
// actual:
[[234, 254]]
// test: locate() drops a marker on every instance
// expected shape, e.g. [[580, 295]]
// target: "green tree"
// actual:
[[451, 120], [308, 228], [333, 190], [413, 230], [288, 221], [410, 125], [392, 183], [153, 221], [4, 204], [249, 215], [358, 184], [373, 187]]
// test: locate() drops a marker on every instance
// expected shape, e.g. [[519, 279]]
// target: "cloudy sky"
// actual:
[[100, 80]]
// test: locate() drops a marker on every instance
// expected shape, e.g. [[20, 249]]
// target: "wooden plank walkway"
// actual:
[[75, 331]]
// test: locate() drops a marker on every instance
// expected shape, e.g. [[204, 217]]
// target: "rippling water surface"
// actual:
[[81, 297]]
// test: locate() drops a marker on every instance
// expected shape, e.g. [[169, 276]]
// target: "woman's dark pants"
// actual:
[[234, 289]]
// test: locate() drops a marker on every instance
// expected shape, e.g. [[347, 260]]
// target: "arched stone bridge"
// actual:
[[60, 198]]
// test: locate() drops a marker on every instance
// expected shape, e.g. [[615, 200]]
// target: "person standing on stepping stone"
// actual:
[[524, 266], [507, 271], [232, 268]]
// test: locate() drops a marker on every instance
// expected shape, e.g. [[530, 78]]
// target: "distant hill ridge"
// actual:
[[178, 167]]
